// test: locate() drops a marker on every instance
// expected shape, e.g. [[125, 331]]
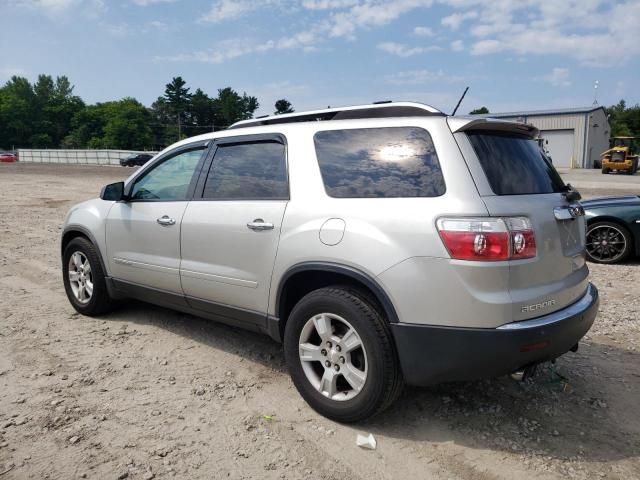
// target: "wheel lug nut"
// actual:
[[327, 363], [337, 368], [338, 348], [329, 345], [342, 360], [323, 352]]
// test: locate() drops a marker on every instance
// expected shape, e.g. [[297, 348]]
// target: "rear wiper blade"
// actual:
[[570, 193]]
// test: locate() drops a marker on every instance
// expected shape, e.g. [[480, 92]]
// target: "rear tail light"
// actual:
[[488, 239]]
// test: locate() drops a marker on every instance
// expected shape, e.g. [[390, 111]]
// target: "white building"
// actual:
[[575, 136]]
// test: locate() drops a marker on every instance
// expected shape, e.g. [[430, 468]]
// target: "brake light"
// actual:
[[488, 239]]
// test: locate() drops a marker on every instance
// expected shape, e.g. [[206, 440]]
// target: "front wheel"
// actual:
[[341, 355], [84, 279], [605, 170], [608, 242]]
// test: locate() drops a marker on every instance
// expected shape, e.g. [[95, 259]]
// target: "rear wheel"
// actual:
[[84, 280], [605, 170], [608, 242], [341, 355]]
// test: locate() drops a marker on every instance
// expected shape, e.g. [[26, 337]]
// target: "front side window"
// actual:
[[379, 163], [248, 171], [170, 179]]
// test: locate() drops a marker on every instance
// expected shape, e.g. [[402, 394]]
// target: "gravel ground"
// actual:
[[149, 393]]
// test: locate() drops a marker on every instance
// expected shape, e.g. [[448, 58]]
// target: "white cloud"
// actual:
[[234, 48], [403, 50], [370, 14], [90, 8], [228, 10], [146, 3], [117, 29], [457, 45], [585, 30], [423, 32], [328, 4], [558, 77], [454, 20], [418, 77]]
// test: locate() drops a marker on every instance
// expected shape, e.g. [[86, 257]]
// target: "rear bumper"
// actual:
[[433, 354]]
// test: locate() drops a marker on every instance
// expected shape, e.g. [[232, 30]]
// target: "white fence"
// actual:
[[83, 157]]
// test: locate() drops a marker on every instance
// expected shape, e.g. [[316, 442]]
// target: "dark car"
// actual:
[[135, 159], [613, 228]]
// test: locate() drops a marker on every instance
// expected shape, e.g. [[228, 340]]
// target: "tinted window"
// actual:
[[379, 162], [169, 180], [248, 171], [514, 165]]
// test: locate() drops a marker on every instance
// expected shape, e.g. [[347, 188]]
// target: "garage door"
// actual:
[[560, 146]]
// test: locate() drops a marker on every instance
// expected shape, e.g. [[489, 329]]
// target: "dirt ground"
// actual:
[[149, 393]]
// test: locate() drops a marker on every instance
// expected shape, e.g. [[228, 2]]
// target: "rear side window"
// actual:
[[248, 171], [514, 164], [379, 162]]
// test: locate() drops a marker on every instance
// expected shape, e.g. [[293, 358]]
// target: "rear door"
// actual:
[[515, 180], [230, 232]]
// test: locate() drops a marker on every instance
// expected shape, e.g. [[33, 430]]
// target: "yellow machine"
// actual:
[[620, 156]]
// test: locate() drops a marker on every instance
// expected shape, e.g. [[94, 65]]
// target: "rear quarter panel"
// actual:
[[379, 232]]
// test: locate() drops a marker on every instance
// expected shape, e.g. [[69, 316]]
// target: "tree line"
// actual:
[[47, 114]]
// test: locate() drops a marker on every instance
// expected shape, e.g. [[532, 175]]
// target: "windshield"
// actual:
[[514, 164]]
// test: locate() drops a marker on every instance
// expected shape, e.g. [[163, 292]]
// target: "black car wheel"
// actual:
[[608, 242], [340, 354]]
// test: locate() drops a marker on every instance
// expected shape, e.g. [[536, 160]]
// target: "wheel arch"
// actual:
[[75, 231], [305, 277]]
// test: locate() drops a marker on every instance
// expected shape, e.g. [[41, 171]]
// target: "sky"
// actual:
[[513, 54]]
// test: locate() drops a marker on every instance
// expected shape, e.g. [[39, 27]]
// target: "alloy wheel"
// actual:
[[333, 356], [80, 277], [606, 243]]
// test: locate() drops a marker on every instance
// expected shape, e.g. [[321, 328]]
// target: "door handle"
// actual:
[[166, 221], [259, 224]]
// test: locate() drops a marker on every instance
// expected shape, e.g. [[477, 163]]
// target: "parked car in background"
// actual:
[[8, 157], [613, 228], [411, 247], [135, 159]]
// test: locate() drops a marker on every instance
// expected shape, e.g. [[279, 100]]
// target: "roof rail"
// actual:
[[391, 109]]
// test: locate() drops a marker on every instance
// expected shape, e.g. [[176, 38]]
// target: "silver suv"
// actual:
[[382, 244]]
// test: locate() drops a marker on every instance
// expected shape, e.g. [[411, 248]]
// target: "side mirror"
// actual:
[[113, 192]]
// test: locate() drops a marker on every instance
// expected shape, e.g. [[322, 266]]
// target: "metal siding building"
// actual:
[[575, 136]]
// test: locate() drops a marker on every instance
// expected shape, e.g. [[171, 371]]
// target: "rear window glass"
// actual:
[[379, 162], [514, 164]]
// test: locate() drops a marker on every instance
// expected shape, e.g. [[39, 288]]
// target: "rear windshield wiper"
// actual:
[[570, 193]]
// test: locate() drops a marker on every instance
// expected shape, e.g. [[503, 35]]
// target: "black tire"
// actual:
[[383, 382], [605, 171], [625, 250], [100, 302]]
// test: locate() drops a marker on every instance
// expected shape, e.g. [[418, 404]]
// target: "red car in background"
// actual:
[[7, 157]]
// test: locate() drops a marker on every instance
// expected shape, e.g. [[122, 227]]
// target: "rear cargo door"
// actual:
[[519, 181]]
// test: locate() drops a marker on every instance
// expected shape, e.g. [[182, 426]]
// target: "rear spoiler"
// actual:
[[462, 124]]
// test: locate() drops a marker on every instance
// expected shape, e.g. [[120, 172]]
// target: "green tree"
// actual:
[[479, 111], [624, 121], [124, 124], [283, 106], [178, 99], [202, 113], [231, 107], [127, 126], [17, 108]]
